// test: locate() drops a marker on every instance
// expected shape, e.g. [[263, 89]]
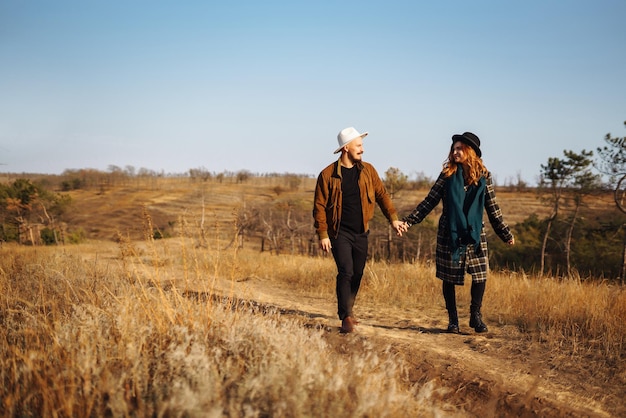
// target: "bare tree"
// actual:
[[243, 176], [246, 220], [394, 181], [199, 173], [274, 232], [283, 223]]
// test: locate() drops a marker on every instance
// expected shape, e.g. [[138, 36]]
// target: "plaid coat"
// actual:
[[476, 263]]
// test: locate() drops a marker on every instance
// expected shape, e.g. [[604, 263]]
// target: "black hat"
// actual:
[[469, 139]]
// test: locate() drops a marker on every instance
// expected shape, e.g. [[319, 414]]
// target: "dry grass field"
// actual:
[[125, 325], [104, 213]]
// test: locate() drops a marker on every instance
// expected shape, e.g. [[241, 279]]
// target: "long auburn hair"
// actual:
[[473, 167]]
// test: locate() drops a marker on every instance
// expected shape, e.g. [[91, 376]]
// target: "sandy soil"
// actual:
[[500, 373]]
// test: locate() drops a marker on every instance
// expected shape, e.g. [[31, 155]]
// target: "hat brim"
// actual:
[[363, 135], [463, 139]]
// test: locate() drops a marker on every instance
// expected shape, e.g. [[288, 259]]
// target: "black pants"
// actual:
[[477, 291], [350, 253]]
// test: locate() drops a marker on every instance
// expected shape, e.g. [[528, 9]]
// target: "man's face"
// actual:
[[355, 150]]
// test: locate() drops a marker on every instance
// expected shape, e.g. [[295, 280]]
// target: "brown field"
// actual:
[[104, 213], [193, 326]]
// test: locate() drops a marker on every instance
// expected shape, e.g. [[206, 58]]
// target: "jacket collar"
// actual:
[[338, 165]]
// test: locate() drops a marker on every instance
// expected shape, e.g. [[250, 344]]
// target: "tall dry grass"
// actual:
[[101, 329], [115, 334], [572, 315]]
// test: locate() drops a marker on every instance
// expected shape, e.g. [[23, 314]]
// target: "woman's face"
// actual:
[[459, 155]]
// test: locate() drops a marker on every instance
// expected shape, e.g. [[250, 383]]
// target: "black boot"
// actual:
[[476, 320], [449, 296], [453, 323]]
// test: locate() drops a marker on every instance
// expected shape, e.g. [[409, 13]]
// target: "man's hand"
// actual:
[[400, 227], [325, 244]]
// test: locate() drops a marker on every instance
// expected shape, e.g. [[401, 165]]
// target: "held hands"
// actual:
[[400, 227]]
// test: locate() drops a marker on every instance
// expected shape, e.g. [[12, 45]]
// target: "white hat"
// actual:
[[348, 135]]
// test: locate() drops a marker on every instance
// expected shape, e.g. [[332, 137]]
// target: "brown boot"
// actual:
[[347, 325]]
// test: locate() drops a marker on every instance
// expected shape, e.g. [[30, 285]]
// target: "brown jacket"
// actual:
[[328, 198]]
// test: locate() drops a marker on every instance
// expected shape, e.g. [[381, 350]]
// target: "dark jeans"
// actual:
[[350, 253]]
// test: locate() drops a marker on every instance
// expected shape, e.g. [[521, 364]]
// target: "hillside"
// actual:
[[102, 213]]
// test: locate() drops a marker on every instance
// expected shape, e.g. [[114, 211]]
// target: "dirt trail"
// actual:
[[499, 373]]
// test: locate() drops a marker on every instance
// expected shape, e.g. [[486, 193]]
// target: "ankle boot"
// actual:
[[476, 321], [453, 322]]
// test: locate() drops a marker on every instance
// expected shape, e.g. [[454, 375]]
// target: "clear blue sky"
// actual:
[[267, 85]]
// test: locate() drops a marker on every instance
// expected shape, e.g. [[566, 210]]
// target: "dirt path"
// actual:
[[499, 373]]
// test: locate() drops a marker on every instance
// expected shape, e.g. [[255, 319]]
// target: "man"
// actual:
[[343, 207]]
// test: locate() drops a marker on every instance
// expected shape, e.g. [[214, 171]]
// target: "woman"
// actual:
[[466, 188]]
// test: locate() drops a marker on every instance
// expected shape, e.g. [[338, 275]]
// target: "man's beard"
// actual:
[[355, 158]]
